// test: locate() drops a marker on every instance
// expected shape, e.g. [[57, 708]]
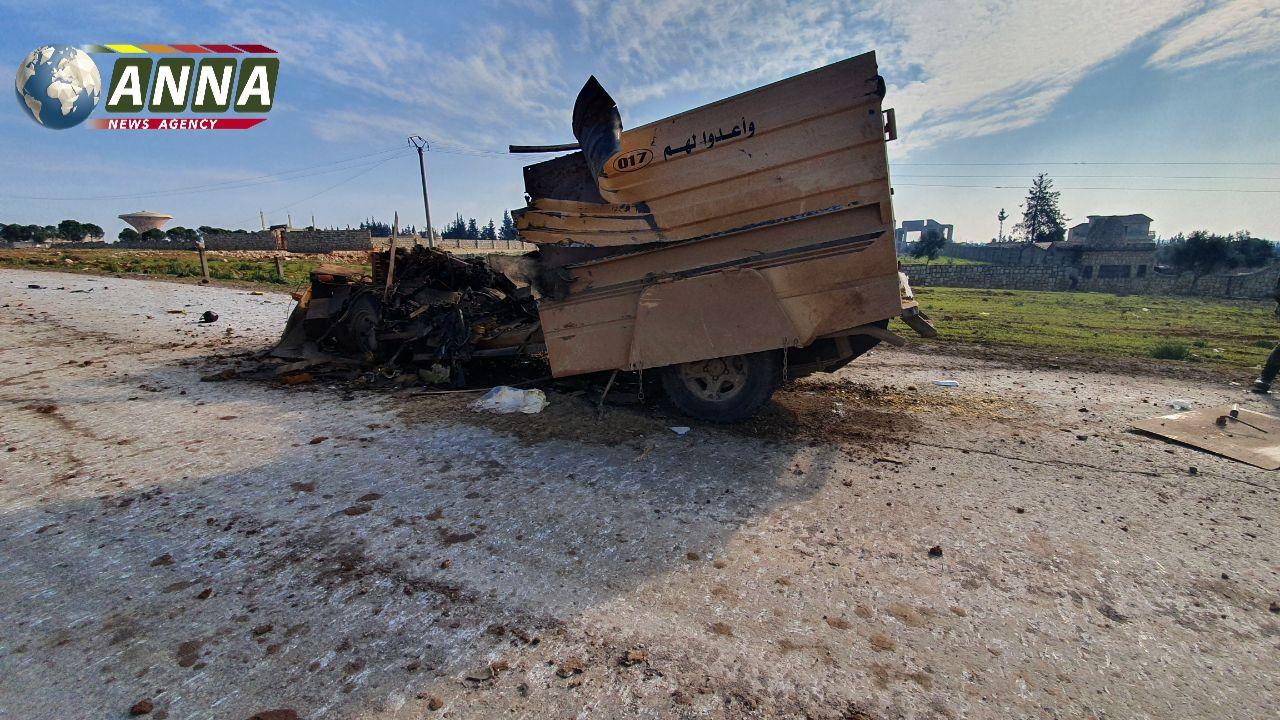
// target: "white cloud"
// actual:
[[955, 69], [1247, 30], [497, 82]]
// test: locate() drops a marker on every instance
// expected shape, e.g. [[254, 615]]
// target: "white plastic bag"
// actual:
[[505, 399]]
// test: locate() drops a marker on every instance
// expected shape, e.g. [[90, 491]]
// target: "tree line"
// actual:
[[67, 231], [468, 229]]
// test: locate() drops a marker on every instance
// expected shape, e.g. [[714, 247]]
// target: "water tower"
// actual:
[[145, 220]]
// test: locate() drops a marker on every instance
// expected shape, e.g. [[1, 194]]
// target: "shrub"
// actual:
[[1170, 351]]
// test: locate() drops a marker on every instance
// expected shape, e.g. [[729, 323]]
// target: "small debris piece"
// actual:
[[435, 703], [839, 623], [262, 629], [208, 316], [165, 559], [142, 707], [680, 429], [1193, 470], [634, 657], [283, 714], [204, 594], [220, 376], [1274, 607], [358, 509], [317, 440], [297, 378], [881, 642], [503, 400], [176, 312], [369, 497], [692, 556], [1112, 614], [720, 628], [570, 666], [935, 551], [946, 383], [33, 286]]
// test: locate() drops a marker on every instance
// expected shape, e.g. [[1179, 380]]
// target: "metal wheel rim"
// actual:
[[715, 380]]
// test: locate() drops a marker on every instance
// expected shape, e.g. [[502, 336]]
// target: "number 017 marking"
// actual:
[[633, 160]]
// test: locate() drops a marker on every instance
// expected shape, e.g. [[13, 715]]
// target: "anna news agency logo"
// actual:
[[59, 86]]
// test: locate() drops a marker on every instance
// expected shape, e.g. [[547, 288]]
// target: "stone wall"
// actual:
[[322, 241], [1256, 285], [260, 240]]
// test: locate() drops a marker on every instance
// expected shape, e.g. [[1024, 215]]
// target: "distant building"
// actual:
[[1113, 229], [919, 226], [145, 220], [1107, 246]]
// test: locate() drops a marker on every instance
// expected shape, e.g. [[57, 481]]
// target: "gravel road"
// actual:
[[873, 547]]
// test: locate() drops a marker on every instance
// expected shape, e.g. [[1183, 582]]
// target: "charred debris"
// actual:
[[426, 313]]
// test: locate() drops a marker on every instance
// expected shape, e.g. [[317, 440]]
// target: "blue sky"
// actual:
[[1184, 92]]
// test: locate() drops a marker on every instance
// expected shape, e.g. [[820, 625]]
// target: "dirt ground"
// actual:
[[873, 546]]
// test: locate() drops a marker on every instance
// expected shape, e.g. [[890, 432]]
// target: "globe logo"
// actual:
[[58, 86]]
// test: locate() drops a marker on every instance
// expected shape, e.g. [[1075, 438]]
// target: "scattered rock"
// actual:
[[435, 703], [317, 440], [262, 629], [359, 509], [369, 497], [303, 486], [1082, 438], [1112, 614], [204, 594], [720, 628], [220, 376], [881, 642], [634, 657], [142, 707], [839, 623], [935, 551], [572, 665], [208, 316], [448, 537], [187, 652], [692, 556], [1274, 607], [283, 714], [165, 559], [297, 378]]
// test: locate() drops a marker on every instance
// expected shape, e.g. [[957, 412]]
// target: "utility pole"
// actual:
[[263, 218], [418, 143]]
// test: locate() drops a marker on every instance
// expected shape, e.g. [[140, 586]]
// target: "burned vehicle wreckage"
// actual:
[[725, 249]]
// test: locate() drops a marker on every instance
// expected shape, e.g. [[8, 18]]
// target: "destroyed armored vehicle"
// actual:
[[727, 248]]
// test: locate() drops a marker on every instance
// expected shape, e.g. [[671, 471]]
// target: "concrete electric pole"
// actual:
[[418, 143]]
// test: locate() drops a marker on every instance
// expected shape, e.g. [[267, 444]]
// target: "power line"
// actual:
[[1076, 162], [336, 185], [1106, 177], [283, 176], [1130, 189]]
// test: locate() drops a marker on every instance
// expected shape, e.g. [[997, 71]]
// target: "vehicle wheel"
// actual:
[[359, 330], [723, 390]]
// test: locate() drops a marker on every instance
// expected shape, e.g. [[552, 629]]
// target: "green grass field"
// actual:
[[1231, 334], [163, 264], [1234, 335]]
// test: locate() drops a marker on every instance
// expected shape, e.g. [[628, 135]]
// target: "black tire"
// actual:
[[723, 390], [359, 329]]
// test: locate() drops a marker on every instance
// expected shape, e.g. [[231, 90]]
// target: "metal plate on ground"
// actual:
[[1248, 436]]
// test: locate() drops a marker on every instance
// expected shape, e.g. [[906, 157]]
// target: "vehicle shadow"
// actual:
[[353, 571]]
